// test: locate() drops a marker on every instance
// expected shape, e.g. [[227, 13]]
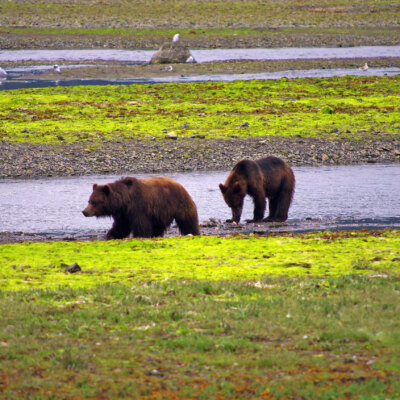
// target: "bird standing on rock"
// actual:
[[175, 39]]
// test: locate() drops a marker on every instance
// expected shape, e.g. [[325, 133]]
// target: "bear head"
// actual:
[[234, 193], [99, 203]]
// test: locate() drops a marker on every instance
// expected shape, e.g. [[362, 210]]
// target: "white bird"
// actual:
[[56, 68], [169, 68], [364, 67], [190, 60], [3, 73], [175, 39]]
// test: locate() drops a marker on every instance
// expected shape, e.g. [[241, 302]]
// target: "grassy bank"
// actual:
[[111, 14], [233, 23], [229, 323], [346, 107]]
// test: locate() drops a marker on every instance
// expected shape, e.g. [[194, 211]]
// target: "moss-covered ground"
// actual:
[[42, 265], [310, 316], [346, 107]]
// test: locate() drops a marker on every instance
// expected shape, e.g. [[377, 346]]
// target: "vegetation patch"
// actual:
[[43, 265], [272, 338], [299, 316], [346, 107]]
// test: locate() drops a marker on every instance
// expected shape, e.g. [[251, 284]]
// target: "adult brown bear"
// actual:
[[143, 207], [269, 177]]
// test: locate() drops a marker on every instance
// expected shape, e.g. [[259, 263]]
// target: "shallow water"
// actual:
[[205, 55], [362, 194], [312, 73]]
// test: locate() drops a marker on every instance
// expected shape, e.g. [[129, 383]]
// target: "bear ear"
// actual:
[[106, 189], [95, 186], [222, 188]]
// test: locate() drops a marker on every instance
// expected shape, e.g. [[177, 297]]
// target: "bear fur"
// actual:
[[143, 207], [269, 177]]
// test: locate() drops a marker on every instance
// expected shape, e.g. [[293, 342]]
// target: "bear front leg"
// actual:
[[119, 230], [236, 214]]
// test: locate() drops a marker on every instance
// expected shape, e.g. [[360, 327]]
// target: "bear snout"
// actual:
[[88, 211]]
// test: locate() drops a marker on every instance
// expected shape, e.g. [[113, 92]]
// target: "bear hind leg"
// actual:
[[189, 225], [272, 207], [279, 207]]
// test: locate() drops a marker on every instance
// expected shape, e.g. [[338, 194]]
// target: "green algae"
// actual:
[[360, 107], [42, 265]]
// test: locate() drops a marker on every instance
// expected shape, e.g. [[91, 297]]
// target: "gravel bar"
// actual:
[[26, 160]]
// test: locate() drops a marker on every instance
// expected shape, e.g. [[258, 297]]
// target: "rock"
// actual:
[[155, 372], [171, 53], [211, 223], [73, 268], [171, 135], [325, 157]]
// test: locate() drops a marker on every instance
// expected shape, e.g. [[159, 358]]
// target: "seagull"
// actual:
[[3, 73], [190, 60], [176, 38], [364, 67], [169, 68], [56, 68]]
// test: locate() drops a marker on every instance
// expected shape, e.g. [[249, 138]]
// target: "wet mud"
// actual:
[[216, 227]]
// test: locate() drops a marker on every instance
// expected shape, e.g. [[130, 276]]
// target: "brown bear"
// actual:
[[143, 207], [268, 177]]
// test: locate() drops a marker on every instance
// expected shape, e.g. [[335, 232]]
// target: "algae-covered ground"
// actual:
[[310, 316], [346, 107], [202, 24], [42, 265]]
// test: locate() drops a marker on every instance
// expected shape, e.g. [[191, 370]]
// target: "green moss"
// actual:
[[42, 265], [361, 107]]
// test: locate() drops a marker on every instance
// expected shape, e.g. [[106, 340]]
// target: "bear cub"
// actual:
[[269, 177], [143, 207]]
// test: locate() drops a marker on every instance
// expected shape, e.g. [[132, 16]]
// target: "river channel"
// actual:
[[13, 80], [144, 56], [335, 196]]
